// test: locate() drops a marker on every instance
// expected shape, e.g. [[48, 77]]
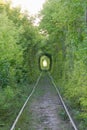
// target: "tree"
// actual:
[[65, 25]]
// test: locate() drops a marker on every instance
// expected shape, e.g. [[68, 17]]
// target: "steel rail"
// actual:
[[62, 101], [17, 118]]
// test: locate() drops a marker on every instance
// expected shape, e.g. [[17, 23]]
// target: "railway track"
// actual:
[[45, 108]]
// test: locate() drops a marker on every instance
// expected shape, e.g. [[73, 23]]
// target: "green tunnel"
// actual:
[[44, 63]]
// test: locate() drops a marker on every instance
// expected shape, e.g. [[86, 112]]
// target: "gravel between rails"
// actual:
[[43, 110]]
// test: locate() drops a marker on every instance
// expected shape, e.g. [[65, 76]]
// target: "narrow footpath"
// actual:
[[44, 110]]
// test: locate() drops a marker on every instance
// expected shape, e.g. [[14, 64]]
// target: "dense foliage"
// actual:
[[63, 34], [18, 60], [64, 22]]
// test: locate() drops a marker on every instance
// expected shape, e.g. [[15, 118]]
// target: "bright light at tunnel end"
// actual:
[[44, 63]]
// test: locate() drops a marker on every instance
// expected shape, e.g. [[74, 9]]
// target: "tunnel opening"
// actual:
[[45, 62]]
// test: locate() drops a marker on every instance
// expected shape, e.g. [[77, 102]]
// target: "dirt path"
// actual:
[[43, 113]]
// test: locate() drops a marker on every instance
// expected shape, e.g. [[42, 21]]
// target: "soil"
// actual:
[[43, 110]]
